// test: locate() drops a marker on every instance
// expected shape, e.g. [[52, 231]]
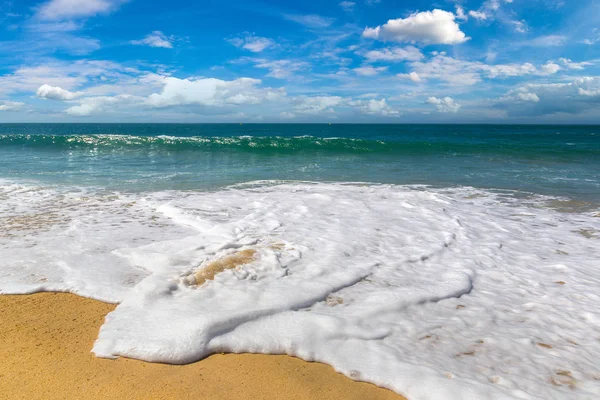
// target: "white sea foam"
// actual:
[[435, 294]]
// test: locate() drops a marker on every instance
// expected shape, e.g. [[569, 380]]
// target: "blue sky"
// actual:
[[316, 61]]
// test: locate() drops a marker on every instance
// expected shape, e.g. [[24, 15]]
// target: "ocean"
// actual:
[[552, 160], [440, 261]]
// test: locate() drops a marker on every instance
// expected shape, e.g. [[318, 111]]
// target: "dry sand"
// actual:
[[45, 342]]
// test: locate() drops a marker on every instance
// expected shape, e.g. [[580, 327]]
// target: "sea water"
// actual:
[[442, 262]]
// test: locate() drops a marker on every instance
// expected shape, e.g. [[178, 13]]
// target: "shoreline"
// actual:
[[45, 343]]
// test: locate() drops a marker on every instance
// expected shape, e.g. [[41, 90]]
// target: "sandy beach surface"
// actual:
[[45, 342]]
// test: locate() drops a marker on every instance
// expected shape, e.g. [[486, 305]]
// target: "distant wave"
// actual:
[[298, 144]]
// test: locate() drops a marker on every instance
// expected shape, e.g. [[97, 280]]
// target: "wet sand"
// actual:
[[45, 342]]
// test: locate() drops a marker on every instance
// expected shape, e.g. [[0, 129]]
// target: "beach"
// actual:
[[439, 262], [45, 343]]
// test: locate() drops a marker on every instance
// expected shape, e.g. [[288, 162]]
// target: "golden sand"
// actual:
[[45, 342]]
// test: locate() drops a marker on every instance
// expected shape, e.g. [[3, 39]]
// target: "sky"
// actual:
[[387, 61]]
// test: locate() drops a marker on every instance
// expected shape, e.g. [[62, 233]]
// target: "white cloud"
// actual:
[[479, 15], [465, 73], [409, 53], [534, 100], [56, 93], [588, 86], [54, 26], [317, 104], [11, 105], [368, 70], [493, 5], [528, 97], [444, 105], [255, 44], [155, 39], [549, 68], [47, 37], [323, 105], [280, 69], [492, 9], [212, 92], [347, 5], [367, 95], [413, 76], [508, 70], [460, 13], [520, 26], [197, 94], [67, 9], [428, 27], [311, 20], [589, 93], [62, 74], [91, 105], [569, 64], [547, 41], [448, 69], [374, 107]]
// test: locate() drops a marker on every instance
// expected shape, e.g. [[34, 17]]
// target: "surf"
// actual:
[[389, 284]]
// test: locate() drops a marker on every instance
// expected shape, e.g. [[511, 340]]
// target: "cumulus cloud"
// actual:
[[534, 100], [67, 9], [211, 92], [409, 53], [549, 68], [521, 94], [374, 107], [255, 44], [56, 93], [428, 27], [199, 94], [317, 104], [368, 70], [413, 76], [444, 105], [11, 105], [528, 97], [323, 105], [155, 39]]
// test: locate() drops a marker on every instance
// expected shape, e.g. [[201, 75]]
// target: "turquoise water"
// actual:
[[551, 160]]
